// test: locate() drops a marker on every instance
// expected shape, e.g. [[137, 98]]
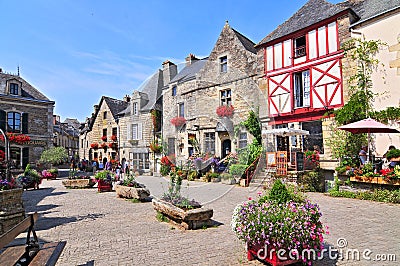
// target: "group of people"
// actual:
[[363, 155]]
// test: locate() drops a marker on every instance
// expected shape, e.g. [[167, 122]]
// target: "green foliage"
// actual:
[[237, 169], [387, 115], [279, 192], [55, 155], [312, 180], [250, 153], [394, 153], [53, 170], [381, 195], [252, 124], [165, 169], [192, 175], [103, 175], [226, 176], [161, 217], [32, 173]]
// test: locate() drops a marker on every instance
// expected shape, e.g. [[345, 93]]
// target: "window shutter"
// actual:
[[140, 131], [25, 157], [25, 123], [3, 120], [129, 131]]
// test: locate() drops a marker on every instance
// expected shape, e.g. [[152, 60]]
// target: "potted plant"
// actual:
[[94, 145], [50, 173], [393, 155], [178, 121], [30, 178], [131, 189], [12, 210], [187, 214], [104, 180], [155, 147], [311, 160], [280, 222], [114, 138], [225, 110], [104, 146], [104, 138]]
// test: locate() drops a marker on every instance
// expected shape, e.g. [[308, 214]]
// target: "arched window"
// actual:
[[14, 122]]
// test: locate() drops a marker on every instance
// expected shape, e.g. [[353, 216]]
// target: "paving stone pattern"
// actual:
[[101, 229]]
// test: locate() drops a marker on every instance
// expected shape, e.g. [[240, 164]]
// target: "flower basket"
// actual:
[[112, 145], [178, 121], [94, 145], [155, 147], [104, 146], [113, 137], [225, 110], [104, 138]]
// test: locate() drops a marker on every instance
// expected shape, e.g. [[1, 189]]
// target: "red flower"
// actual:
[[114, 137], [225, 110], [104, 138], [178, 121], [94, 145]]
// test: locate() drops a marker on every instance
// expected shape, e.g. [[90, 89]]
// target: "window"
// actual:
[[181, 110], [105, 115], [114, 131], [140, 161], [223, 62], [242, 140], [13, 88], [226, 97], [302, 89], [135, 108], [209, 142], [300, 47], [14, 122], [104, 132], [174, 91], [315, 138], [135, 133]]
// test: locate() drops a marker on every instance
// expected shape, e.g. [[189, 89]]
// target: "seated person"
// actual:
[[363, 155]]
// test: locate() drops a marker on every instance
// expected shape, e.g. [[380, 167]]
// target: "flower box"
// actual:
[[225, 111], [178, 121], [186, 219], [79, 183], [104, 138], [12, 210], [375, 180], [266, 255], [140, 193], [104, 186]]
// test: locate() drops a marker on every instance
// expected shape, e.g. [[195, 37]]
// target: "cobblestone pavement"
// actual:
[[101, 229]]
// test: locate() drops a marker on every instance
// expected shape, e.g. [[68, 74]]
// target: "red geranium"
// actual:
[[94, 145], [16, 138], [178, 121], [104, 138], [114, 137], [225, 110]]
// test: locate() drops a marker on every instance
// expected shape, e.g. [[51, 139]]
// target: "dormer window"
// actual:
[[14, 89], [300, 47], [223, 62], [135, 108]]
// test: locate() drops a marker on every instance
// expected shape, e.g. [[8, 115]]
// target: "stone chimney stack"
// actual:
[[169, 71], [127, 98], [190, 59]]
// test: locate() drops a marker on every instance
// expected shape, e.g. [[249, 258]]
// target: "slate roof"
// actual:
[[368, 9], [189, 72], [152, 88], [247, 43], [115, 105], [27, 90], [311, 13]]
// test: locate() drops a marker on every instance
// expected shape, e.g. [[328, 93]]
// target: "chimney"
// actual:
[[127, 98], [190, 59], [169, 71], [96, 107], [1, 70]]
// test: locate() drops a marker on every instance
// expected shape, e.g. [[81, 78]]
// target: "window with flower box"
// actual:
[[181, 110], [226, 97], [14, 122]]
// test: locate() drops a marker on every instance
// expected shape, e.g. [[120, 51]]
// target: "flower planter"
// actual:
[[78, 183], [186, 219], [375, 180], [11, 209], [264, 254], [141, 193], [104, 186]]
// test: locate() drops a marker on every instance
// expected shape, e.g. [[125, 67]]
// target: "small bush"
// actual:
[[312, 181], [237, 169], [226, 176]]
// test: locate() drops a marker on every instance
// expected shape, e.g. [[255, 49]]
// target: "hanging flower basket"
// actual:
[[155, 147], [114, 138], [16, 138], [104, 146], [225, 111], [112, 145], [104, 138], [178, 121]]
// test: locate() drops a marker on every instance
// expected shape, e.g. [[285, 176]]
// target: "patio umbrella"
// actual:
[[369, 126]]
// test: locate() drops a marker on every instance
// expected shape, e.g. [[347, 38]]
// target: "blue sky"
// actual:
[[76, 51]]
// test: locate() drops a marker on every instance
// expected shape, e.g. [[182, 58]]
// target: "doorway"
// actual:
[[226, 148]]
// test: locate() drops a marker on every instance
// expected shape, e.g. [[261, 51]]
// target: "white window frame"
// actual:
[[301, 89], [223, 64]]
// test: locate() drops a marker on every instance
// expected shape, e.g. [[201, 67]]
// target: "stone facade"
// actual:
[[32, 115], [207, 87], [66, 135]]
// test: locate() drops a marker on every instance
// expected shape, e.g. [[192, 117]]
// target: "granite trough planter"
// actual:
[[185, 219], [79, 183], [139, 193]]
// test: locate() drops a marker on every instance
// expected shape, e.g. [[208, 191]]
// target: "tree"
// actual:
[[55, 155]]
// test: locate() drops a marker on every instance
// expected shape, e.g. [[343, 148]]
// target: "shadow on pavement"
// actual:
[[45, 223]]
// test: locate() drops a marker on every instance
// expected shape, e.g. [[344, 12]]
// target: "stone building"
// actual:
[[140, 122], [226, 79], [66, 134], [25, 110], [99, 135]]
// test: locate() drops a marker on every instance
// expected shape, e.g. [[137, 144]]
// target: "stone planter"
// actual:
[[229, 181], [186, 219], [141, 193], [11, 209], [78, 183]]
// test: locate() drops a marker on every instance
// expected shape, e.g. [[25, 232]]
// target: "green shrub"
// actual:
[[237, 169], [279, 192], [312, 181], [53, 170], [394, 153], [164, 170], [226, 176], [381, 195], [103, 175]]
